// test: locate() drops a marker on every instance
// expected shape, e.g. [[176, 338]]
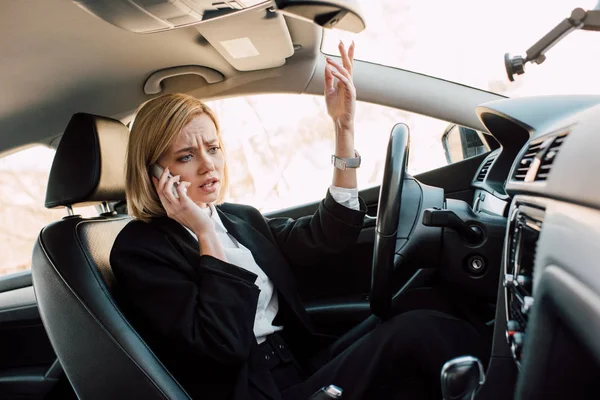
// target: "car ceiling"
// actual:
[[57, 60]]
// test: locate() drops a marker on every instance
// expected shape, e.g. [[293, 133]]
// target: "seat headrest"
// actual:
[[89, 164]]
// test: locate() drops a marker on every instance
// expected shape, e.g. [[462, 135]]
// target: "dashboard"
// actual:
[[544, 179]]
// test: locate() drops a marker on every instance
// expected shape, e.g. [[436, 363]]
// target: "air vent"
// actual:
[[484, 170], [548, 159], [526, 161]]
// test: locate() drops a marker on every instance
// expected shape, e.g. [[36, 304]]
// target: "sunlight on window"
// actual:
[[465, 41], [23, 181], [279, 146]]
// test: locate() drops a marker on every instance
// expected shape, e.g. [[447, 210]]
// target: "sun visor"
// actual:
[[251, 40], [147, 16]]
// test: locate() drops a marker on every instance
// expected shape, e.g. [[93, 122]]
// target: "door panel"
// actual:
[[15, 281], [335, 292], [18, 305], [29, 368]]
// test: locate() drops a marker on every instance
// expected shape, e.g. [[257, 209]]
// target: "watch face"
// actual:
[[339, 163], [344, 163]]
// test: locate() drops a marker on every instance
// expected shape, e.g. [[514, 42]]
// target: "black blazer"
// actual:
[[197, 312]]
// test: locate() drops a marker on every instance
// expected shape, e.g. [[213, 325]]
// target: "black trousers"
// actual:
[[399, 359]]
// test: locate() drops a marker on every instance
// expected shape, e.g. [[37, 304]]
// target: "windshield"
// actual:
[[465, 41]]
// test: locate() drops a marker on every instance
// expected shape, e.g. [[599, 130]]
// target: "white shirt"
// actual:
[[237, 254]]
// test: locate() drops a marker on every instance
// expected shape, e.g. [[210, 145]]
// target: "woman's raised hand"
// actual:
[[340, 93], [182, 209]]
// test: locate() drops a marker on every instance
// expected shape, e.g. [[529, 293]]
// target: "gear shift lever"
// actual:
[[461, 377]]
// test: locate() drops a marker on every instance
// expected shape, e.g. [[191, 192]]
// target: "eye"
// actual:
[[213, 149], [185, 158]]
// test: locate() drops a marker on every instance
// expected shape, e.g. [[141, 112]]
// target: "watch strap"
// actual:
[[343, 163]]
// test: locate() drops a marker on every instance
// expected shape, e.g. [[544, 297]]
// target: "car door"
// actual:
[[29, 368]]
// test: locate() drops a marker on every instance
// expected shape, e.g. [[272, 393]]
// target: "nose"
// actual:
[[205, 164]]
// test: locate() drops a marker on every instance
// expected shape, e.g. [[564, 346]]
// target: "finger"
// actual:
[[344, 80], [341, 48], [345, 58], [340, 68], [182, 189], [328, 80], [351, 54], [168, 189]]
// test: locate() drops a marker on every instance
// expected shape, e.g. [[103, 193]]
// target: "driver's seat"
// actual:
[[102, 355]]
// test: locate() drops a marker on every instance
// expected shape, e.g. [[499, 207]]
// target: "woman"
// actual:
[[211, 286]]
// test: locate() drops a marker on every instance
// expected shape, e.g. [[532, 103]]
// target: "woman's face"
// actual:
[[196, 155]]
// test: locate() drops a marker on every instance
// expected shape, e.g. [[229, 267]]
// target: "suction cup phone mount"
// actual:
[[579, 19]]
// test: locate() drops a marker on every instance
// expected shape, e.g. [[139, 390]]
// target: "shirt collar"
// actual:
[[214, 216]]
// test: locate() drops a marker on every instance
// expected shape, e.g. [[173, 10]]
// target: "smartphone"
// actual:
[[157, 171]]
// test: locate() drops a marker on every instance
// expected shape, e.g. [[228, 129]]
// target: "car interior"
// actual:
[[505, 238]]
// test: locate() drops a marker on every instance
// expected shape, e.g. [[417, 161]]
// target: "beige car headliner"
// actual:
[[57, 59]]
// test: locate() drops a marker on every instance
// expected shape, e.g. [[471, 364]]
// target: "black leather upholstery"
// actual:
[[101, 353], [89, 163]]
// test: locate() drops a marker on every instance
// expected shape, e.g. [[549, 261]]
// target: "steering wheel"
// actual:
[[386, 228]]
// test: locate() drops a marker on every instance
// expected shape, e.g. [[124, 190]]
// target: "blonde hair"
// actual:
[[157, 123]]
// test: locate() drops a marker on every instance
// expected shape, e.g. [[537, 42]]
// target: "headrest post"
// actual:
[[69, 211], [104, 207]]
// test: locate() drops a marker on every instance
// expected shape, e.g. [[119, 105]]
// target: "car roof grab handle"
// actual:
[[153, 83]]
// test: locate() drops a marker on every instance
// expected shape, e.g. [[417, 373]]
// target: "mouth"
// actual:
[[209, 185]]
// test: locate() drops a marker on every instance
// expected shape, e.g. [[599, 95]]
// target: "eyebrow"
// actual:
[[190, 148], [186, 149]]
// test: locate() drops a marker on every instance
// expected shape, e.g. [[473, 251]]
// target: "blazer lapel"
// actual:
[[269, 259], [265, 253]]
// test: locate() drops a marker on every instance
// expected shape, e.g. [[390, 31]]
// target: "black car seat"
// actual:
[[102, 355]]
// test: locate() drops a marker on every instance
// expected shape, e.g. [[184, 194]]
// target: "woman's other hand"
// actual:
[[340, 94], [188, 213], [340, 97]]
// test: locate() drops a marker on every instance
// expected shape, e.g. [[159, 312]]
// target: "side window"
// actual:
[[461, 143], [278, 146], [23, 181]]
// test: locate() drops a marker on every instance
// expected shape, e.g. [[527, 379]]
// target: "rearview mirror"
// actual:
[[339, 14], [461, 143]]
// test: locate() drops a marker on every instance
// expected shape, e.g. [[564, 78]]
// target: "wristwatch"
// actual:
[[343, 163]]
